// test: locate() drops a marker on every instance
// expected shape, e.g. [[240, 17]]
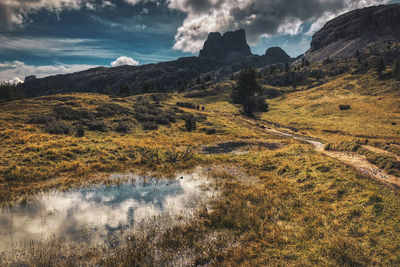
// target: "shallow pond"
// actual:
[[101, 210]]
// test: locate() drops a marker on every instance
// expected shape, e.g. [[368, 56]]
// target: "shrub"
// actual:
[[110, 109], [97, 126], [58, 127], [41, 119], [186, 105], [200, 118], [344, 107], [149, 126], [211, 131], [80, 131], [272, 93], [147, 112], [343, 146], [68, 113], [190, 124], [170, 115], [123, 127]]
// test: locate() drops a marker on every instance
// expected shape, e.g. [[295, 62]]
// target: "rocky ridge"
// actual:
[[352, 31]]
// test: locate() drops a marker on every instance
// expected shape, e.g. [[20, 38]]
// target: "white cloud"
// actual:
[[349, 5], [55, 46], [16, 80], [121, 61], [19, 70], [291, 26]]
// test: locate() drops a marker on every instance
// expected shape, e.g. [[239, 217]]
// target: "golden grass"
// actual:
[[316, 111]]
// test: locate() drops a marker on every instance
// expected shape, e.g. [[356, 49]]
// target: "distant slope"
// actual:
[[165, 76]]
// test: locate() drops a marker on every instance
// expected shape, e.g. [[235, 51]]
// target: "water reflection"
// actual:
[[100, 209]]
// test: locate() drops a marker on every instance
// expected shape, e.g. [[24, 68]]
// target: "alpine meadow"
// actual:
[[147, 133]]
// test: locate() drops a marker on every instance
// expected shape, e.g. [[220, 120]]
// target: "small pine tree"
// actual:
[[380, 66], [294, 83], [358, 54], [9, 92], [287, 68], [247, 93], [124, 90], [80, 131], [396, 71], [190, 124], [147, 87], [198, 80]]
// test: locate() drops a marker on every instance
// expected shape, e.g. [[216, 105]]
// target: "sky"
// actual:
[[47, 37]]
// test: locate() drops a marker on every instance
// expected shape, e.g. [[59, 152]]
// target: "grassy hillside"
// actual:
[[281, 202], [374, 109]]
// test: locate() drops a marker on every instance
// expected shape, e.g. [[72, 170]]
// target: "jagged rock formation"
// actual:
[[278, 54], [352, 31], [231, 45]]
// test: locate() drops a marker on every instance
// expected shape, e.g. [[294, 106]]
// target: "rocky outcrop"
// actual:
[[278, 53], [371, 23], [230, 45], [30, 78], [352, 31]]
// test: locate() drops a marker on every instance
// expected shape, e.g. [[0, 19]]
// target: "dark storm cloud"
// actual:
[[257, 17]]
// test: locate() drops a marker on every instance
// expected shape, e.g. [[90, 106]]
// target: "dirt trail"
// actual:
[[357, 161]]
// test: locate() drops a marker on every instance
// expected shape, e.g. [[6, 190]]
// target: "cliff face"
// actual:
[[352, 31], [230, 44], [371, 23]]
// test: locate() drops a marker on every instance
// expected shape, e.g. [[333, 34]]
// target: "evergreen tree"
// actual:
[[272, 69], [247, 93], [9, 92], [358, 54], [397, 69], [124, 90], [147, 87], [294, 82], [380, 66], [287, 68]]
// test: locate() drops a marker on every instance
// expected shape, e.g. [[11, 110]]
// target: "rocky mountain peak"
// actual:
[[278, 53], [229, 45]]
